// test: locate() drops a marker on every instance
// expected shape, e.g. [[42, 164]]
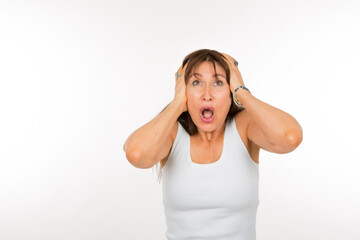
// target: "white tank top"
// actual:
[[217, 200]]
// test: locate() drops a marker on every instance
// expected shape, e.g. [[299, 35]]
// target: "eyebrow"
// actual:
[[215, 75]]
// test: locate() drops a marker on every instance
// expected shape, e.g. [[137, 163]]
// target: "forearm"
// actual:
[[146, 141], [273, 122]]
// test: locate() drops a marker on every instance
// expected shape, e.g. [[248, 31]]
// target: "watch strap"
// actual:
[[236, 101]]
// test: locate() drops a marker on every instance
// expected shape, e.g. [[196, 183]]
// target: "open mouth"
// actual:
[[207, 113]]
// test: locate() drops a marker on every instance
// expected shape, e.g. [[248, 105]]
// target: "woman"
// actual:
[[209, 155]]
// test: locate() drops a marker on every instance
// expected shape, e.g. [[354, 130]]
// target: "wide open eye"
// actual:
[[196, 82], [219, 83]]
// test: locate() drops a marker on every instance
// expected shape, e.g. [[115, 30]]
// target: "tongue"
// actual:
[[207, 113]]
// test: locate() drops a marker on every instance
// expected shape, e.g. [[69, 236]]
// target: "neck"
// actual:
[[211, 137]]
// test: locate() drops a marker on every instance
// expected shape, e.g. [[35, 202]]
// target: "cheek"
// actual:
[[191, 95], [224, 96], [190, 98], [225, 100]]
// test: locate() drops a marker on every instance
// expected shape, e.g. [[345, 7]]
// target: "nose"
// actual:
[[207, 95]]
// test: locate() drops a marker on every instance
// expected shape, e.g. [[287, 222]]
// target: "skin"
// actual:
[[263, 126], [207, 90], [260, 125], [235, 75]]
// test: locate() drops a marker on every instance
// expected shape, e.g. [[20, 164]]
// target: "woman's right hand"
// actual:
[[180, 88]]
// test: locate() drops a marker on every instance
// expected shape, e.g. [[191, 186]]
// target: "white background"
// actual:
[[78, 77]]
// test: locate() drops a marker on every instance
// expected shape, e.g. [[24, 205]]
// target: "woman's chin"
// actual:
[[206, 126]]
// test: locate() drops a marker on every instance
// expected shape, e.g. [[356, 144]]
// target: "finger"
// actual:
[[181, 67], [229, 60], [236, 63], [177, 75], [227, 57], [224, 55], [186, 64], [232, 61]]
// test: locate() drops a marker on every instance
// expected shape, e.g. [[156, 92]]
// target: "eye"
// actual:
[[219, 82], [196, 81]]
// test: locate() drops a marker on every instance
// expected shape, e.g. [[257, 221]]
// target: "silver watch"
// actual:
[[234, 96]]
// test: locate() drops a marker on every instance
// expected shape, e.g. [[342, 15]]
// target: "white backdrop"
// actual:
[[78, 77]]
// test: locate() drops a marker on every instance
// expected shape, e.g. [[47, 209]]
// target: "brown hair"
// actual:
[[196, 58]]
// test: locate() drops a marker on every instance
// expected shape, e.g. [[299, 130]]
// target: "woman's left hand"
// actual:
[[235, 75]]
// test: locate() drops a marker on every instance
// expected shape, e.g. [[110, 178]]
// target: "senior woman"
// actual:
[[207, 141]]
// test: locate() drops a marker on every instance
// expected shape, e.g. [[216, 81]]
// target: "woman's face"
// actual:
[[203, 89]]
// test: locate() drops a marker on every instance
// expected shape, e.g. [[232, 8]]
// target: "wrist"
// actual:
[[241, 94], [238, 95], [180, 104]]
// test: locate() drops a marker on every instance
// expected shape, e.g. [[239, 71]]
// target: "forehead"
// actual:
[[206, 69]]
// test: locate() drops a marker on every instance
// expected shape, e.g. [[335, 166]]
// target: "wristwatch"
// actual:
[[234, 96]]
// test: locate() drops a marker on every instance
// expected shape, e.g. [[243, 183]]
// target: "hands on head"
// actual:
[[180, 88], [235, 75]]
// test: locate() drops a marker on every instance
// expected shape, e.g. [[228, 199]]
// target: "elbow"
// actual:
[[294, 138], [135, 159], [132, 156]]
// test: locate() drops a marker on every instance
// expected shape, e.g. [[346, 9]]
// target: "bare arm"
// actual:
[[150, 143], [270, 128]]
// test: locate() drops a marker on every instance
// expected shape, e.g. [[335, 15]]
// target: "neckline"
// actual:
[[218, 162]]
